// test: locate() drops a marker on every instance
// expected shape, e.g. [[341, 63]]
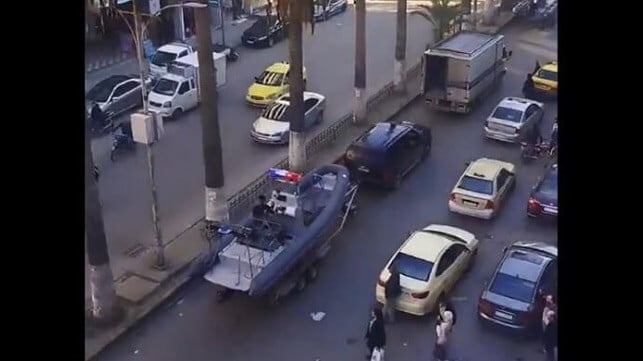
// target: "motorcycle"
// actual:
[[120, 143], [530, 152]]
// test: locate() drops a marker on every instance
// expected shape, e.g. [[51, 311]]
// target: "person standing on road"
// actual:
[[441, 331], [551, 337], [392, 290], [550, 306], [375, 334], [446, 314]]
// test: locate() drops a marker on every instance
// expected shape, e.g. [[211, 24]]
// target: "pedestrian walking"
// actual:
[[446, 314], [392, 290], [551, 337], [440, 349], [375, 334], [550, 306]]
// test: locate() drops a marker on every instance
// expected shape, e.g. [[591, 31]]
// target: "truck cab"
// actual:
[[172, 95], [167, 54]]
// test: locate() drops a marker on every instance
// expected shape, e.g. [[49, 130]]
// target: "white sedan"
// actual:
[[273, 126], [430, 263]]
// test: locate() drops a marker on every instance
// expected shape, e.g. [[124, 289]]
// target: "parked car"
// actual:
[[514, 296], [482, 188], [166, 54], [386, 152], [546, 80], [265, 32], [271, 84], [324, 9], [273, 126], [116, 94], [543, 200], [511, 118], [430, 263]]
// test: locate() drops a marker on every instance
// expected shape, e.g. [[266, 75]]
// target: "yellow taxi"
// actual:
[[271, 84], [546, 79], [482, 188], [430, 262]]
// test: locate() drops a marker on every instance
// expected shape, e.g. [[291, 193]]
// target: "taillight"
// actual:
[[452, 197], [420, 294], [533, 205], [489, 205], [485, 306], [381, 282]]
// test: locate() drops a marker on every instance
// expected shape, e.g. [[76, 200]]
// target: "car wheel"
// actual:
[[271, 41], [176, 114]]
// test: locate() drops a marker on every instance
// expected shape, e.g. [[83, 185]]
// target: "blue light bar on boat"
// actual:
[[283, 175]]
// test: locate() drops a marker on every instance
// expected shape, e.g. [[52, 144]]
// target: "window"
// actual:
[[549, 186], [412, 267], [161, 58], [411, 139], [182, 54], [508, 114], [124, 88], [287, 78], [309, 103], [531, 110], [446, 261], [192, 83], [165, 87], [547, 75], [184, 87], [513, 287], [477, 185], [550, 278], [503, 176]]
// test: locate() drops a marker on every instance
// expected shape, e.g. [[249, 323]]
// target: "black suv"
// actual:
[[387, 152]]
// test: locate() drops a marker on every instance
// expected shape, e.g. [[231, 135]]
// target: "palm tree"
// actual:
[[400, 48], [361, 101], [441, 15], [298, 13], [105, 307]]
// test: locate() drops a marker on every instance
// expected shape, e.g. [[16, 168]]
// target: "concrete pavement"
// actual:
[[246, 329], [329, 61]]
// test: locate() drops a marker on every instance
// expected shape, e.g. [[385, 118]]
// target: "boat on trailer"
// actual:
[[276, 253]]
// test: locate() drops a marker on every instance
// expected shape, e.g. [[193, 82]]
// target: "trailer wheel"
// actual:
[[311, 274], [301, 284]]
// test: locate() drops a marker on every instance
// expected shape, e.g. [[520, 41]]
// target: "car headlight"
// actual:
[[167, 105], [263, 38]]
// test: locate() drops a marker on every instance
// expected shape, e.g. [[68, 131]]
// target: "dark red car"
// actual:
[[514, 298], [543, 200]]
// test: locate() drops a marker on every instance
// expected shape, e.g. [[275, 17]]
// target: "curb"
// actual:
[[93, 66]]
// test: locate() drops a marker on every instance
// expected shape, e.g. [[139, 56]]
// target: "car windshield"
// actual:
[[476, 185], [276, 111], [508, 114], [513, 287], [549, 186], [270, 78], [412, 267], [547, 75], [161, 58], [165, 87]]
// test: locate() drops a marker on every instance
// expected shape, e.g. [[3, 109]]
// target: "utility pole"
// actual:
[[216, 203], [105, 308], [361, 100], [399, 71], [158, 235], [297, 135]]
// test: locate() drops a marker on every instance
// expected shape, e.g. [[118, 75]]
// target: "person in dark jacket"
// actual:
[[551, 337], [532, 138], [528, 86], [375, 335], [392, 291]]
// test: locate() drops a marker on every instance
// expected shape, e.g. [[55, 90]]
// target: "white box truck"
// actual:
[[178, 90], [461, 69]]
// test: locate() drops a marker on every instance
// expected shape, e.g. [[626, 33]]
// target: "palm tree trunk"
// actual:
[[361, 99], [105, 307], [216, 204], [297, 145], [399, 72]]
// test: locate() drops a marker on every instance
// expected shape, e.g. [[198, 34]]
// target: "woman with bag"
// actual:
[[375, 335]]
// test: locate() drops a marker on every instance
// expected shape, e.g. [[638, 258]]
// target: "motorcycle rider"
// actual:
[[126, 137], [533, 139]]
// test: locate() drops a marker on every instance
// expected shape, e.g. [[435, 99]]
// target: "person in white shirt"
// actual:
[[441, 331]]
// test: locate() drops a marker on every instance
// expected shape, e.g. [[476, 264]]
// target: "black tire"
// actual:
[[344, 7], [176, 114]]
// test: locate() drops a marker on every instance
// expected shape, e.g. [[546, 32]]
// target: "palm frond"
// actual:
[[426, 15], [307, 11]]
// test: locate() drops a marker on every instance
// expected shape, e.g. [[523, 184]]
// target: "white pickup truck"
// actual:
[[165, 55]]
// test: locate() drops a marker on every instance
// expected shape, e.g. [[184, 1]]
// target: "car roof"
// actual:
[[425, 245], [279, 67], [382, 134], [548, 249], [553, 66], [515, 103], [173, 48], [486, 168]]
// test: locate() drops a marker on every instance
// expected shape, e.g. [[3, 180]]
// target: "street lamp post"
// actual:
[[137, 33]]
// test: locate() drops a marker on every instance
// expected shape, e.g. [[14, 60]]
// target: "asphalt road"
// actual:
[[193, 327], [179, 167]]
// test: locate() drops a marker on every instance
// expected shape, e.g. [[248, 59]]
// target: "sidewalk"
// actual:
[[142, 289]]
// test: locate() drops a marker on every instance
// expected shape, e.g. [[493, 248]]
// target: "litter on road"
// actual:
[[317, 316]]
